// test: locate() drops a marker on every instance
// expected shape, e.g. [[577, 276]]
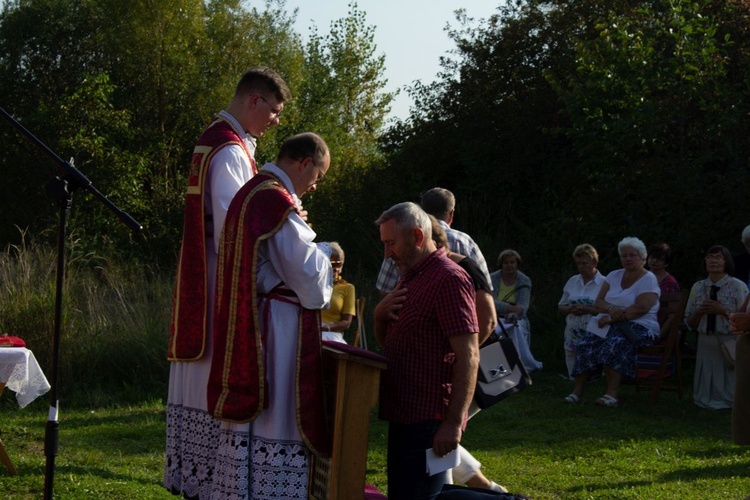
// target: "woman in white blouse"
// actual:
[[627, 302], [578, 298]]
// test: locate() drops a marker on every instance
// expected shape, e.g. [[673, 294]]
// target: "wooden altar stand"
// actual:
[[352, 379]]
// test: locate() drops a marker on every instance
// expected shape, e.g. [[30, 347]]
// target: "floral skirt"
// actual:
[[614, 350]]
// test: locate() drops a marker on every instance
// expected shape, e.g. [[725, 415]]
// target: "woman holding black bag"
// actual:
[[627, 304]]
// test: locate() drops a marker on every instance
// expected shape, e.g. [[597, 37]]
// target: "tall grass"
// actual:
[[114, 323], [116, 318]]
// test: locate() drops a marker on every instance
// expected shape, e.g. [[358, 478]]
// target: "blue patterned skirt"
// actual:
[[614, 350]]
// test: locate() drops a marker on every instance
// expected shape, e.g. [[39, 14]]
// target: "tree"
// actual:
[[653, 119], [558, 122], [125, 88], [342, 98], [480, 129]]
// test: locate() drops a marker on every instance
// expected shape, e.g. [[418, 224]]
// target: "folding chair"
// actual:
[[360, 335]]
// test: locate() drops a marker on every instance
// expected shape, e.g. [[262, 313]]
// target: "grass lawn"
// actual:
[[532, 443]]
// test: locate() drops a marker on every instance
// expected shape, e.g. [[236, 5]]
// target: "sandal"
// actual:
[[572, 398], [607, 401]]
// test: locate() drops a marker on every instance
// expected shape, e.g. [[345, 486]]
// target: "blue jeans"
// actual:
[[407, 465]]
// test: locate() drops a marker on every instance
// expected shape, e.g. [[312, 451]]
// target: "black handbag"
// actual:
[[501, 372]]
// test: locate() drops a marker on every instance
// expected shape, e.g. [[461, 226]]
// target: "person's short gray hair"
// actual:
[[438, 202], [635, 244], [337, 250], [746, 234], [407, 215]]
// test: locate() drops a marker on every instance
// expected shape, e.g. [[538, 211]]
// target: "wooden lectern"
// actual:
[[352, 379]]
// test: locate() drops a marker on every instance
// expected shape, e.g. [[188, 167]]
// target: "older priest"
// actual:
[[265, 383]]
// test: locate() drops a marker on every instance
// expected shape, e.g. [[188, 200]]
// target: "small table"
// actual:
[[20, 372]]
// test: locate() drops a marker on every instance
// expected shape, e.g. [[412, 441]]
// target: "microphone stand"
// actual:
[[61, 189]]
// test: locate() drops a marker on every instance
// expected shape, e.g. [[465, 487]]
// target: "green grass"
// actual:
[[114, 452], [532, 443], [535, 444]]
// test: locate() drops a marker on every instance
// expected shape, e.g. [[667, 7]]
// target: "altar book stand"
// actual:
[[352, 379]]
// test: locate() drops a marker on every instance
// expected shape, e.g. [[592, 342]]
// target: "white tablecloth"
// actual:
[[21, 374], [519, 339]]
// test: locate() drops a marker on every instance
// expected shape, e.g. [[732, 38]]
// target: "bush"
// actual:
[[115, 320]]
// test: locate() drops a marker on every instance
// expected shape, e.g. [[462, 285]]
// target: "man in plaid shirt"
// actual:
[[428, 328]]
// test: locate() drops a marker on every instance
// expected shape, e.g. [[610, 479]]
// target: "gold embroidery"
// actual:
[[235, 238]]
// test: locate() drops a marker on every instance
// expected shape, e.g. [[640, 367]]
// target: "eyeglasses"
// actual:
[[715, 257], [274, 113], [322, 174], [337, 263]]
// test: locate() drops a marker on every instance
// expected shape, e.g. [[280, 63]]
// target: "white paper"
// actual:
[[436, 464], [594, 327]]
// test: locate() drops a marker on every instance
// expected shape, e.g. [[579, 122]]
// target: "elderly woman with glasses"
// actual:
[[338, 318], [627, 305], [712, 300]]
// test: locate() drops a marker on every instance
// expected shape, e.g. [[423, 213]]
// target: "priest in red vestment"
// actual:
[[266, 375]]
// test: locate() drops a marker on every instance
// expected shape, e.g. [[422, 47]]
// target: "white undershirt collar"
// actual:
[[251, 141]]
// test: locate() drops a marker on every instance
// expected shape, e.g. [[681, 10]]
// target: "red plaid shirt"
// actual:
[[440, 304]]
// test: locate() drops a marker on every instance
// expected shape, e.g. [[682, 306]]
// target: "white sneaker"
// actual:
[[498, 488]]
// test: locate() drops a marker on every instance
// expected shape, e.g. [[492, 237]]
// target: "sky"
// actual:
[[410, 33]]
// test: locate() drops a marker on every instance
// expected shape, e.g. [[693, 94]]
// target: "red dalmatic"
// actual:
[[237, 387], [187, 335]]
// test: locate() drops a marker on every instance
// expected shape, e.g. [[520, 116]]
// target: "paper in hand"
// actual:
[[594, 327], [436, 464]]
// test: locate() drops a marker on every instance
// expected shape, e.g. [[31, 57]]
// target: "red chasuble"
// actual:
[[187, 335], [237, 387]]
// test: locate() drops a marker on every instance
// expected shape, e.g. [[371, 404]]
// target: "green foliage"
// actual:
[[342, 99], [481, 132], [654, 111], [557, 123], [125, 88]]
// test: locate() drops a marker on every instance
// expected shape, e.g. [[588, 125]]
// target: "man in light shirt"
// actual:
[[441, 204]]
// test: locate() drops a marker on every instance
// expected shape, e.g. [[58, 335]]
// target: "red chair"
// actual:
[[659, 367]]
